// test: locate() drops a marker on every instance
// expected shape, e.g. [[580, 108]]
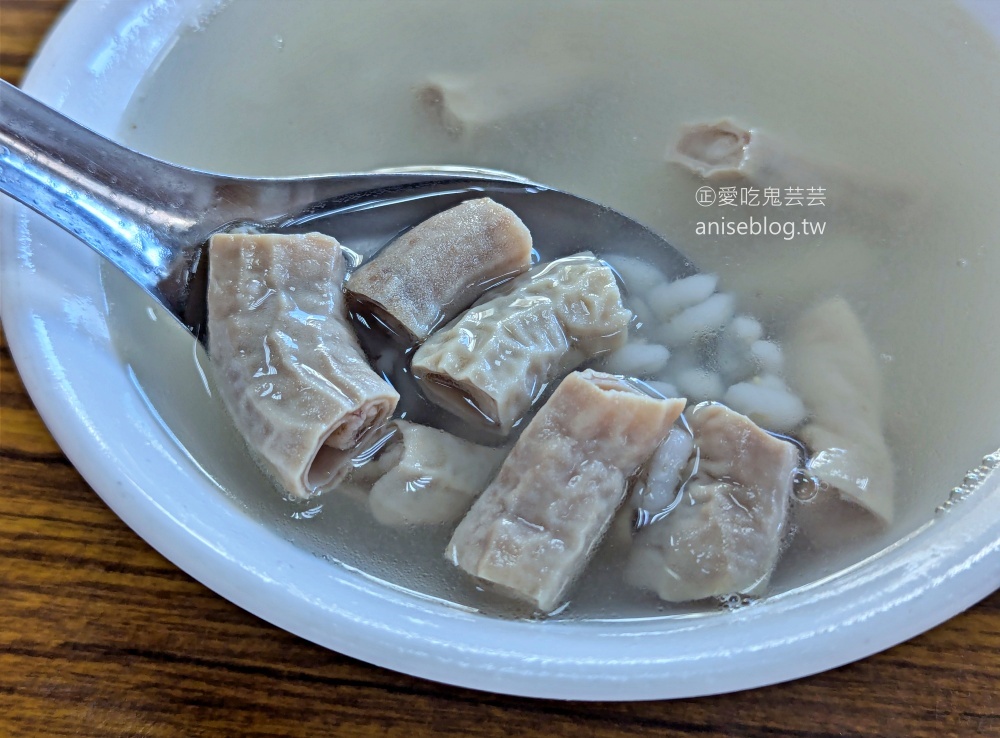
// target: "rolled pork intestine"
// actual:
[[725, 150], [495, 360], [833, 366], [419, 475], [438, 268], [725, 534], [289, 367], [585, 297], [535, 527]]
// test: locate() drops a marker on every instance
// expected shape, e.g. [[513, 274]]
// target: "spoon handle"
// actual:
[[134, 210], [148, 217]]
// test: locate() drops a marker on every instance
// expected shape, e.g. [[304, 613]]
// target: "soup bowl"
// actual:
[[142, 426]]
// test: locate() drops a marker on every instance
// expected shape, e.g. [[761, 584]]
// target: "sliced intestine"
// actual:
[[428, 275], [495, 360], [535, 527], [289, 366], [834, 368], [417, 475], [723, 534], [466, 106]]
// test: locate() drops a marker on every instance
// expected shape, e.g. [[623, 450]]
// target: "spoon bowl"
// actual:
[[152, 219]]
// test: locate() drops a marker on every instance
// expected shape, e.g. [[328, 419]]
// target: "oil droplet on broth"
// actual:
[[805, 486]]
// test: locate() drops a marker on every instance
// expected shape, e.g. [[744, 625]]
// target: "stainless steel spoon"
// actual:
[[152, 219]]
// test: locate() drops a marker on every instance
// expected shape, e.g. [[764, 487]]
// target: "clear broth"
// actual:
[[892, 92]]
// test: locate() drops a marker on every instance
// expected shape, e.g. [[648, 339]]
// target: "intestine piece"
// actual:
[[438, 268], [832, 365], [467, 106], [584, 294], [424, 476], [724, 536], [535, 527], [722, 150], [497, 358], [289, 367]]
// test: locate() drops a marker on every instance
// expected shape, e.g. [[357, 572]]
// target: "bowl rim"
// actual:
[[55, 317]]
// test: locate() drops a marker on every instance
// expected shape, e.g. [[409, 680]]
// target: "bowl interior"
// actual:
[[174, 80]]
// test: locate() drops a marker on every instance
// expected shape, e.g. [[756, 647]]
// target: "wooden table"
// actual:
[[100, 636]]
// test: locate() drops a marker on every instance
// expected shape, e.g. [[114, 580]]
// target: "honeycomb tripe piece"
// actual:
[[492, 363]]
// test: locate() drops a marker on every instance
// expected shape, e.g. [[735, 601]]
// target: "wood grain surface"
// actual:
[[100, 636]]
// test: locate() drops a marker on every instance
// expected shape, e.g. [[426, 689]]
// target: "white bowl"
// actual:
[[56, 318]]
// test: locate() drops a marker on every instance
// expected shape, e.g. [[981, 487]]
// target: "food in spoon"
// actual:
[[724, 535], [493, 362], [833, 366], [437, 269], [535, 527], [287, 361], [698, 510]]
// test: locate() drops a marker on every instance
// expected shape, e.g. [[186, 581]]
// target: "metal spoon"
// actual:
[[152, 219]]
